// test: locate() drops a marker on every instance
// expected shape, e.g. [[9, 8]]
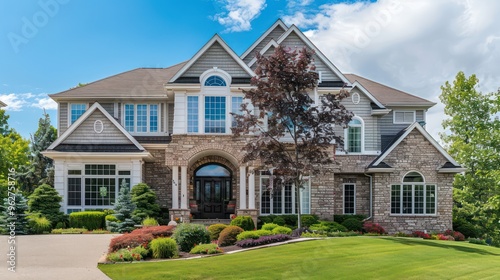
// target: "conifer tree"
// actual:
[[14, 215], [124, 207]]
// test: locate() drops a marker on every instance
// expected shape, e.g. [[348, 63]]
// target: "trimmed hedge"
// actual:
[[353, 224], [269, 226], [244, 222], [254, 234], [87, 219], [227, 236], [341, 218], [282, 230], [215, 230]]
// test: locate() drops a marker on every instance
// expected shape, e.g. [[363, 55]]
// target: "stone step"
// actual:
[[208, 222]]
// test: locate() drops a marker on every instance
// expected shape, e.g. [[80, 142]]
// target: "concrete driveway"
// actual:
[[54, 256]]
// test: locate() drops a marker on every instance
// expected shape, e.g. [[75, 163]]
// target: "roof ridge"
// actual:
[[393, 88]]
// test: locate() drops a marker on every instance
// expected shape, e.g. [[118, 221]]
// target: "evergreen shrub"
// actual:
[[269, 226], [353, 224], [244, 222], [282, 230], [163, 248], [46, 201], [145, 201], [188, 235], [227, 236], [87, 219], [215, 230]]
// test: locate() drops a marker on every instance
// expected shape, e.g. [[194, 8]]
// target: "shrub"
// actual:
[[39, 224], [279, 221], [477, 241], [263, 240], [244, 222], [456, 235], [19, 214], [269, 226], [46, 201], [373, 228], [140, 250], [282, 230], [343, 234], [60, 225], [163, 248], [148, 222], [290, 220], [215, 230], [87, 219], [353, 224], [188, 235], [421, 234], [68, 231], [312, 235], [308, 220], [110, 218], [128, 255], [254, 234], [341, 218], [328, 227], [227, 236], [466, 228], [142, 236], [145, 201], [207, 249], [261, 220], [401, 234]]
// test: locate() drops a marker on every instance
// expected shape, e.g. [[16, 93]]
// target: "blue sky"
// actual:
[[48, 46]]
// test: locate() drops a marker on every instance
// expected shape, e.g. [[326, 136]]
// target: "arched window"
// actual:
[[213, 170], [354, 136], [215, 81], [413, 196]]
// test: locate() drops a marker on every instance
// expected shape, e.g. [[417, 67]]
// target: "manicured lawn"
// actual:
[[336, 258]]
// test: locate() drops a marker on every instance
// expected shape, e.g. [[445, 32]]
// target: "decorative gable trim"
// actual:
[[407, 131], [210, 43], [85, 116], [271, 43], [333, 68], [278, 23]]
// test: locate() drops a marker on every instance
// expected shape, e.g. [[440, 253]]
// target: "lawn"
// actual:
[[335, 258]]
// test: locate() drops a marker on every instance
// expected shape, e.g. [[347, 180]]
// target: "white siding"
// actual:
[[179, 126]]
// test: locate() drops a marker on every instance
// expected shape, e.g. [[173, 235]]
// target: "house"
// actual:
[[2, 104], [171, 128]]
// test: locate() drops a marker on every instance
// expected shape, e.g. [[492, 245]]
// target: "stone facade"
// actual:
[[157, 175]]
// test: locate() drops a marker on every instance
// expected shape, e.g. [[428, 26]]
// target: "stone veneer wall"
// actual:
[[159, 177], [414, 153]]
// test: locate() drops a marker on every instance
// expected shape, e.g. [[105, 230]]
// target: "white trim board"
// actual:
[[279, 22]]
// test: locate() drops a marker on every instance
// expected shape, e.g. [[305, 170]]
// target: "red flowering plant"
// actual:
[[421, 234], [370, 227]]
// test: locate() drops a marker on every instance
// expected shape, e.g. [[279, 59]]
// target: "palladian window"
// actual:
[[413, 196]]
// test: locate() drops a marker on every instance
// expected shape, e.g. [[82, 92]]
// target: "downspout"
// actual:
[[371, 197]]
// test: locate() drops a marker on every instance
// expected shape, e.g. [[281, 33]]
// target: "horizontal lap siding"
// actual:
[[85, 134], [216, 56], [170, 118], [63, 118], [275, 34]]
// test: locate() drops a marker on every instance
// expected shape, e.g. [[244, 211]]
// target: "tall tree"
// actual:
[[474, 141], [4, 125], [40, 168], [289, 133]]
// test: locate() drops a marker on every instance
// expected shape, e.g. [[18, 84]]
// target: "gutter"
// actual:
[[371, 196]]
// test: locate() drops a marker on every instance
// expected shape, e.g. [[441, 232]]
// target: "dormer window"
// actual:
[[215, 81]]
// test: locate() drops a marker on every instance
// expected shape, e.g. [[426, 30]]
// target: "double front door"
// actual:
[[212, 195]]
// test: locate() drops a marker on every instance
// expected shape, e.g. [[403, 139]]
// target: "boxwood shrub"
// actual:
[[188, 235], [269, 226], [353, 224], [215, 230], [87, 219], [282, 230], [244, 222], [341, 218], [227, 236]]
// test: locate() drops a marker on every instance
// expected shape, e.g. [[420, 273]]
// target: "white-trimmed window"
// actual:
[[96, 186], [404, 117], [281, 200], [236, 102], [215, 114], [76, 110], [349, 198], [141, 118], [354, 136], [413, 196], [192, 114]]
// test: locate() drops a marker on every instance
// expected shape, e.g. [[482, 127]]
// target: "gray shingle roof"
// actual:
[[137, 83], [389, 96]]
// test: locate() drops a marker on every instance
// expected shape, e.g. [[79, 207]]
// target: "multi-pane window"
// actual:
[[215, 81], [354, 136], [349, 199], [413, 196], [97, 185], [281, 199], [141, 118], [404, 117], [215, 114], [192, 114], [235, 108], [76, 111]]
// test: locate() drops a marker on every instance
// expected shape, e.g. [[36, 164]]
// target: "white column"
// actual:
[[243, 187], [184, 204], [251, 189], [175, 187]]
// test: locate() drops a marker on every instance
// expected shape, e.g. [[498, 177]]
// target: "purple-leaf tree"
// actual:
[[284, 128]]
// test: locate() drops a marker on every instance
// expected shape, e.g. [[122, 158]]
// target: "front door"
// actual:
[[213, 192]]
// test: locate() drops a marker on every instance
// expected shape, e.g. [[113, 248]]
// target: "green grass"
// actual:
[[336, 258]]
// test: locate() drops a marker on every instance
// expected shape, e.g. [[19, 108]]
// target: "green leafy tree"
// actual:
[[46, 201], [145, 201], [124, 207], [295, 141], [4, 124], [14, 213], [40, 169], [474, 141]]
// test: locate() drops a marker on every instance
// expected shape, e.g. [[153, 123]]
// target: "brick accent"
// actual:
[[157, 175]]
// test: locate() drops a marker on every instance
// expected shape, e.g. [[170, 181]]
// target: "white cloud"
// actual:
[[45, 103], [17, 101], [412, 45], [239, 14]]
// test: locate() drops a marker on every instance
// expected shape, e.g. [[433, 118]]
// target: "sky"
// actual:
[[48, 46]]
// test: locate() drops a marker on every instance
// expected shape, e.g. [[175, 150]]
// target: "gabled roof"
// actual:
[[389, 96], [271, 43], [310, 45], [277, 25], [131, 84], [215, 39], [379, 161], [96, 107], [2, 104]]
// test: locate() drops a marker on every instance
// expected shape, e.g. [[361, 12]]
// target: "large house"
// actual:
[[171, 128]]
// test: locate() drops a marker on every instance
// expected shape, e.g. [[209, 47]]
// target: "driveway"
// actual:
[[54, 256]]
